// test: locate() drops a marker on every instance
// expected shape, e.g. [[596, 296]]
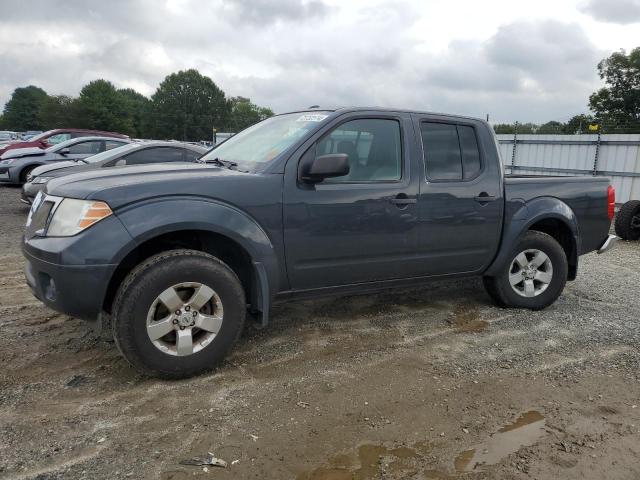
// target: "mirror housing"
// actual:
[[65, 151], [316, 169]]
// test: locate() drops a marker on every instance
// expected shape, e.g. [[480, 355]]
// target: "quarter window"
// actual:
[[450, 151], [373, 147]]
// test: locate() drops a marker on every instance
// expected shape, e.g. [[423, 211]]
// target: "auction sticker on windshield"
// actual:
[[311, 117]]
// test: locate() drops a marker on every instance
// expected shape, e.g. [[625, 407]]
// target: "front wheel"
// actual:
[[535, 275], [178, 313]]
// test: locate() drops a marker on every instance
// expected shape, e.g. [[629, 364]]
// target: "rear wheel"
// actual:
[[628, 220], [535, 275], [178, 314]]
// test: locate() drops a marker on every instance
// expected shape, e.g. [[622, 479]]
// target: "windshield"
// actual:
[[258, 145], [61, 145], [39, 136], [113, 153]]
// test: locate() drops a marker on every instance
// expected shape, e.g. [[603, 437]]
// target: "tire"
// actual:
[[139, 294], [25, 172], [535, 281], [628, 221]]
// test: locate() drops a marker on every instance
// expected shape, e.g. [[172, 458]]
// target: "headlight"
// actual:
[[73, 216], [38, 180], [7, 162]]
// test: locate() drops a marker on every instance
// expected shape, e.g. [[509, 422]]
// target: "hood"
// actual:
[[122, 185], [22, 152], [42, 169]]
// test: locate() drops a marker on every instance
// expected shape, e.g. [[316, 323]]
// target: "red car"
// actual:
[[53, 137]]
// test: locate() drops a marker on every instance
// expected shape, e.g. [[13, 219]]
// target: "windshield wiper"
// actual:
[[223, 163]]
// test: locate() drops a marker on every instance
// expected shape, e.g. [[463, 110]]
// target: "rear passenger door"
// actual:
[[460, 199]]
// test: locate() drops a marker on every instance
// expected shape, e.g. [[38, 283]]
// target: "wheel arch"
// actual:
[[548, 215], [218, 229]]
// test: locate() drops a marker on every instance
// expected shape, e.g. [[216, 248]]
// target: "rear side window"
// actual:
[[470, 152], [450, 151], [191, 155], [109, 144]]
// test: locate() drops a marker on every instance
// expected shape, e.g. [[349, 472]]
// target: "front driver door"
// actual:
[[360, 227]]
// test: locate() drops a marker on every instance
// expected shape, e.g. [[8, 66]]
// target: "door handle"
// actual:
[[484, 197], [402, 199]]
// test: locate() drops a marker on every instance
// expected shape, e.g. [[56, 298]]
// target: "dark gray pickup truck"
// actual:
[[305, 203]]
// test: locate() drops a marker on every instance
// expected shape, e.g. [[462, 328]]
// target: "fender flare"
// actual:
[[145, 221], [530, 213]]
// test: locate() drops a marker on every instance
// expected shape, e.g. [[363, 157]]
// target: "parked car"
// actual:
[[16, 165], [7, 136], [628, 220], [129, 154], [53, 137], [29, 134], [302, 204]]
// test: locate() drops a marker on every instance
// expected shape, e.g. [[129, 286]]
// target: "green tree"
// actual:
[[21, 111], [244, 114], [510, 128], [59, 111], [579, 124], [137, 108], [187, 106], [102, 107], [618, 103], [551, 127]]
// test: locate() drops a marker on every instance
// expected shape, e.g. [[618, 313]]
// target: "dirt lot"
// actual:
[[434, 383]]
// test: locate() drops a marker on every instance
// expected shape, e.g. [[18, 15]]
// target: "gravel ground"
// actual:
[[427, 383]]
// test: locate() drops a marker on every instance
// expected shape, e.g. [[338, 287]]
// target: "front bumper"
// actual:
[[75, 290], [7, 175], [71, 274], [608, 243], [30, 190]]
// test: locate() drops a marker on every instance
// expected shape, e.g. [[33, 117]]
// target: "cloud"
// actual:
[[623, 12], [260, 12], [289, 54]]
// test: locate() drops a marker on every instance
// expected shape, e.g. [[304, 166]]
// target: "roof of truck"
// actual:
[[317, 108]]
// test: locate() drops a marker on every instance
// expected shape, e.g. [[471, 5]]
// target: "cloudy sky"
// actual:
[[514, 59]]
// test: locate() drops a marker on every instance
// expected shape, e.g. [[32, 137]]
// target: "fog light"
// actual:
[[48, 287]]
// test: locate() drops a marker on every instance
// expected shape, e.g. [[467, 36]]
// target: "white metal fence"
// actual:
[[612, 155]]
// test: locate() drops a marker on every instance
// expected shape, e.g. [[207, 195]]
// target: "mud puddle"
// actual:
[[525, 431], [373, 461], [465, 320]]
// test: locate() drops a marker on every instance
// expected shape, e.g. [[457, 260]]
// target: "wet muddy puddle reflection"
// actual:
[[372, 461], [525, 431]]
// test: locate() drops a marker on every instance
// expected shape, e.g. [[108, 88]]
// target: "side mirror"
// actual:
[[316, 169], [65, 151]]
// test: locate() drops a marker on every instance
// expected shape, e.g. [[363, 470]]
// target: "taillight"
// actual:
[[611, 202]]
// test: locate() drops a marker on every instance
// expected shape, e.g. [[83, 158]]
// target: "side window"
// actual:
[[191, 155], [470, 152], [373, 146], [152, 155], [450, 151], [59, 137], [109, 144], [86, 148]]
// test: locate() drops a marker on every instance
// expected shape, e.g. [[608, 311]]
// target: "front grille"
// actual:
[[39, 219]]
